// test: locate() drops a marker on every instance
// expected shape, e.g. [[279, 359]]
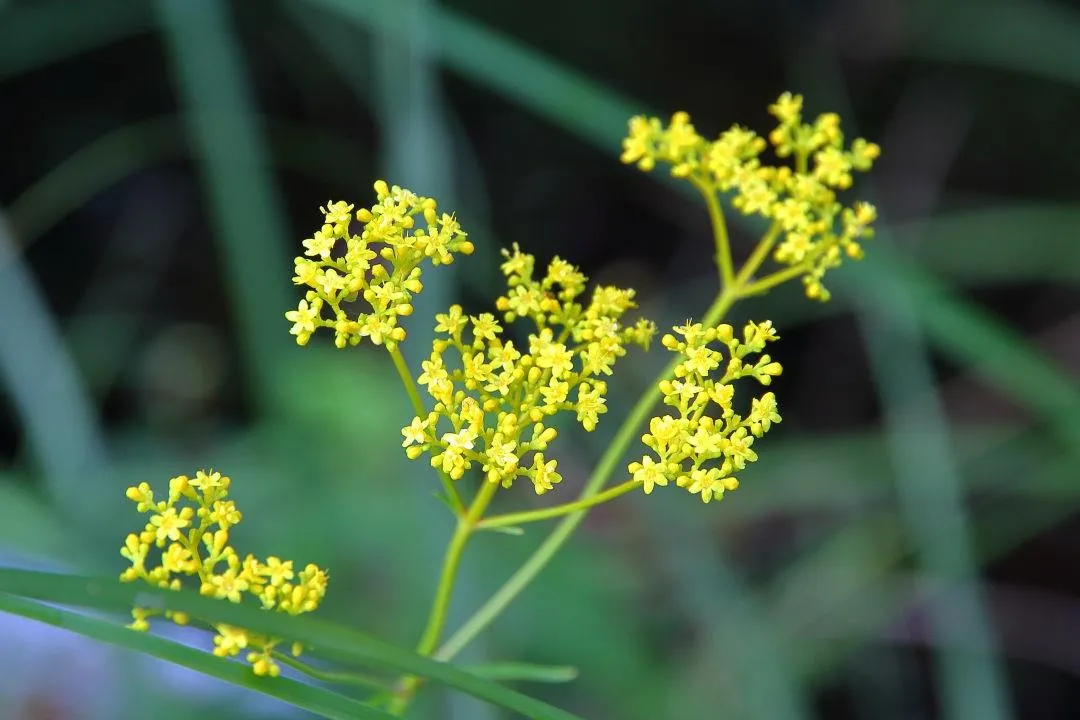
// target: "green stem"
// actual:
[[761, 252], [720, 234], [421, 412], [337, 678], [520, 518], [610, 459], [770, 281], [444, 592]]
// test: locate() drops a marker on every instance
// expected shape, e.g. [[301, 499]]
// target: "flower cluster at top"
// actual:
[[493, 398], [341, 267], [702, 448], [182, 526], [814, 228]]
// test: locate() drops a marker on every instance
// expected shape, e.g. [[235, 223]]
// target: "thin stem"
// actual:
[[444, 592], [520, 518], [465, 528], [770, 281], [720, 234], [407, 380], [336, 678], [764, 247], [421, 412], [610, 459]]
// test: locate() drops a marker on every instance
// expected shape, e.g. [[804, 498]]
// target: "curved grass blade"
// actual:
[[309, 697], [334, 642], [41, 33], [1036, 38]]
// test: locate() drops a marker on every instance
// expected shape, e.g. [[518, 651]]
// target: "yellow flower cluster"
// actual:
[[816, 230], [189, 545], [341, 267], [702, 448], [492, 399]]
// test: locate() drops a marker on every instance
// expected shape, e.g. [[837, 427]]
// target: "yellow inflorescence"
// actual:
[[492, 399], [815, 229], [703, 447], [190, 528], [341, 267]]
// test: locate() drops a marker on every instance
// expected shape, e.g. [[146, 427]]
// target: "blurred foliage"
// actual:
[[164, 159]]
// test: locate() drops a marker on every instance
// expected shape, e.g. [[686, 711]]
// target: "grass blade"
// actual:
[[309, 697], [330, 641]]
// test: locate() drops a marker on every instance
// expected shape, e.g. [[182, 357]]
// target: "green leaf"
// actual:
[[309, 697], [1035, 38], [334, 642], [524, 671]]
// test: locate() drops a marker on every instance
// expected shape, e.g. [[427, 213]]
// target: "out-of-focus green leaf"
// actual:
[[1012, 242], [333, 642], [308, 697], [1035, 38], [48, 31], [26, 524], [523, 671]]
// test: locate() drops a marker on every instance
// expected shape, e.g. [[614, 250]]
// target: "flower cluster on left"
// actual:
[[380, 266], [190, 529]]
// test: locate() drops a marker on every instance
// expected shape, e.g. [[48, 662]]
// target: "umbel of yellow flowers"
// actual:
[[702, 448], [189, 529], [342, 268], [493, 401], [816, 229]]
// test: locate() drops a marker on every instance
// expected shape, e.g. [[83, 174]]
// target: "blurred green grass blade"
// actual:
[[327, 640], [125, 151], [229, 143], [833, 583], [93, 167], [984, 245], [309, 697], [40, 32], [735, 629], [1038, 38], [59, 419], [27, 524], [972, 681], [528, 672], [975, 339], [535, 81], [859, 589]]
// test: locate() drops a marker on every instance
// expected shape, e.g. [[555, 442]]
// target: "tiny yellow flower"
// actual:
[[169, 523]]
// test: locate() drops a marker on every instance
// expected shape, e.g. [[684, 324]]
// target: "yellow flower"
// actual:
[[801, 197], [199, 506], [492, 390], [415, 432], [708, 440], [304, 319], [543, 474], [277, 571], [649, 473], [229, 641], [169, 523], [390, 231]]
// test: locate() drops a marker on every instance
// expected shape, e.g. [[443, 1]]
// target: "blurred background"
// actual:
[[908, 544]]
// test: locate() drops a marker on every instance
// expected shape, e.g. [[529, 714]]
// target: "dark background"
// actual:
[[907, 545]]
